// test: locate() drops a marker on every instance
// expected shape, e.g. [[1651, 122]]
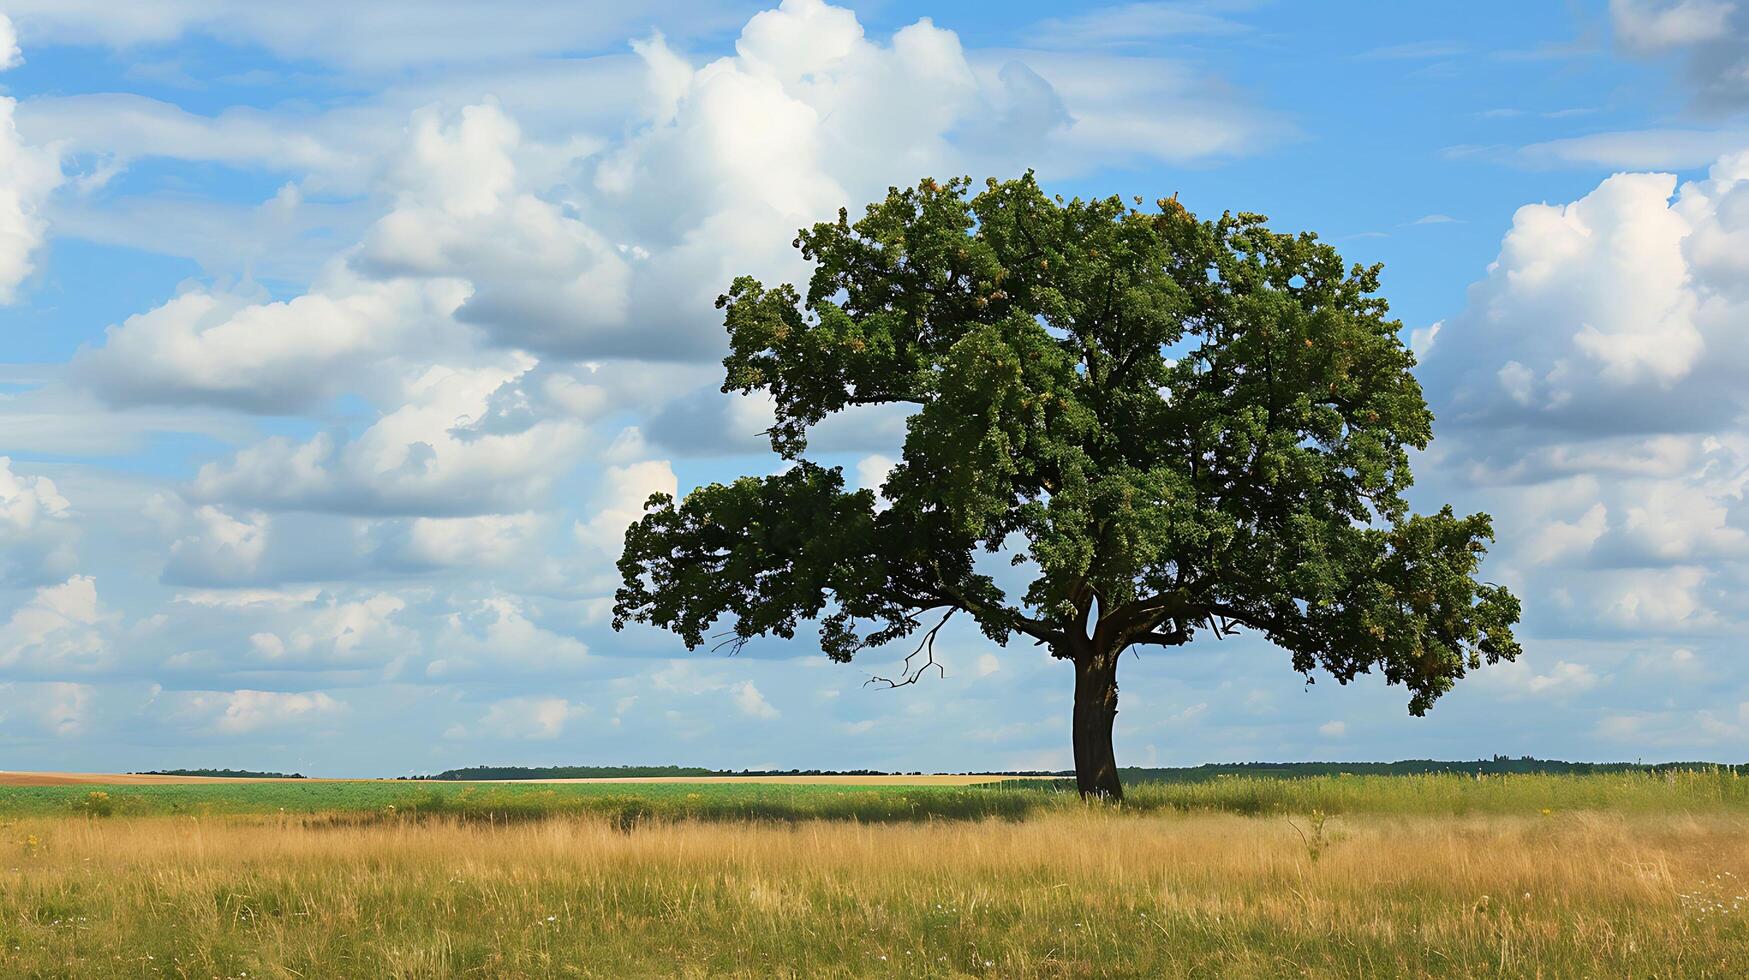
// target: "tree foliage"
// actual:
[[1175, 426]]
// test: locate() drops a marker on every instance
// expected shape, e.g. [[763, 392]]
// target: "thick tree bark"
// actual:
[[1095, 715]]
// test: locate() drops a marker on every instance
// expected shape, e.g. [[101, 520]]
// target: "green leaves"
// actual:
[[767, 552], [1190, 424]]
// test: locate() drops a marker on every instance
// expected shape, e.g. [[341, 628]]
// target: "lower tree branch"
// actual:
[[1172, 638], [1036, 628]]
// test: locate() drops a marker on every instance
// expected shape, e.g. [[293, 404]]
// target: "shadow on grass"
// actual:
[[628, 810]]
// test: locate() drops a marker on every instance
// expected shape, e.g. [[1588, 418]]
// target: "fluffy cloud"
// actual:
[[1654, 25], [1616, 315], [64, 707], [344, 630], [1591, 395], [216, 547], [1563, 679], [220, 547], [549, 251], [267, 637], [809, 115], [684, 678], [541, 279], [212, 348], [1589, 302], [872, 471], [10, 56], [573, 249], [454, 542], [37, 533], [522, 718], [1656, 601], [1713, 34], [248, 712], [60, 629], [416, 460], [28, 174], [302, 637], [61, 709], [1557, 539], [621, 502], [586, 392], [492, 636], [750, 702]]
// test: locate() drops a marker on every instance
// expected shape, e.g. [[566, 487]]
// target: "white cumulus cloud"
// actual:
[[621, 502], [60, 628], [419, 459], [37, 532], [28, 174], [209, 347], [750, 702], [524, 718], [247, 712]]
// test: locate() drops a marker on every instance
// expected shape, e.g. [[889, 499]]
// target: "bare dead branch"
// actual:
[[909, 676], [735, 642]]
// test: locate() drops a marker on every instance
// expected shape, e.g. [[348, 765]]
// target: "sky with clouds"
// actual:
[[340, 341]]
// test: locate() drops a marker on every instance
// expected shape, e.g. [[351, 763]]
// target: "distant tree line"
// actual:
[[222, 773], [1498, 765]]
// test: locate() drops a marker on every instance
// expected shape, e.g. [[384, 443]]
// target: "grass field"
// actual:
[[1551, 876]]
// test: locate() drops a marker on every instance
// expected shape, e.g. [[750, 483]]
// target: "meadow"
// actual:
[[1554, 876]]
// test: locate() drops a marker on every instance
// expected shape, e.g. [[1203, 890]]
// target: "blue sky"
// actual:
[[340, 341]]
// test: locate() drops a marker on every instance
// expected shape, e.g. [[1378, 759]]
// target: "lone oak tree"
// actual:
[[1171, 425]]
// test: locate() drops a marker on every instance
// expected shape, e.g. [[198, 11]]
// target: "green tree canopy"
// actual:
[[1173, 426]]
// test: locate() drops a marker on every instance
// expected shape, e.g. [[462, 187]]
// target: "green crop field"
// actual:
[[1688, 791], [1526, 875]]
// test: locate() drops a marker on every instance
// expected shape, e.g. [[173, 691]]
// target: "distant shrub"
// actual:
[[97, 804]]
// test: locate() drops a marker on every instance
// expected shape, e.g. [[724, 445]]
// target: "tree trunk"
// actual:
[[1095, 714]]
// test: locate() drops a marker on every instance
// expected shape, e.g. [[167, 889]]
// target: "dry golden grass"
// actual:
[[1066, 893]]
